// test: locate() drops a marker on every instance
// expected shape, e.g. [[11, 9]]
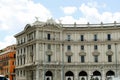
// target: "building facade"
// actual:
[[55, 51], [7, 61]]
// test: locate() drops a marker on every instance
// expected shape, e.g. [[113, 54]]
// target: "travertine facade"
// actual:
[[55, 51]]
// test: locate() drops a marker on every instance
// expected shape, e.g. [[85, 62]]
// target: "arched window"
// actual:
[[96, 78], [48, 78], [69, 79], [82, 78]]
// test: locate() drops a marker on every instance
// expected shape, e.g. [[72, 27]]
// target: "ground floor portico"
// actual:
[[69, 72]]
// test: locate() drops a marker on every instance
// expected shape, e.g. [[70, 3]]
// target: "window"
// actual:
[[14, 55], [109, 46], [49, 58], [68, 47], [69, 79], [48, 36], [24, 59], [21, 61], [82, 47], [108, 37], [82, 38], [96, 58], [95, 37], [109, 58], [49, 46], [24, 72], [18, 61], [69, 59], [68, 37], [24, 50], [24, 39], [21, 51], [95, 47], [82, 59]]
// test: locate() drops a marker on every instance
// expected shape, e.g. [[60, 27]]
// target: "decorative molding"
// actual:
[[49, 52], [69, 53], [82, 53], [109, 52], [96, 53]]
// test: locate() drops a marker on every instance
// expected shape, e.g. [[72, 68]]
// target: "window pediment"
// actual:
[[49, 52], [96, 53], [82, 53], [69, 53], [109, 52]]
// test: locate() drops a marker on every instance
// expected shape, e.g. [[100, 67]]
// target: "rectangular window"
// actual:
[[109, 58], [48, 36], [68, 47], [49, 47], [109, 46], [95, 37], [18, 61], [49, 58], [69, 59], [82, 38], [82, 59], [82, 47], [95, 47], [24, 50], [68, 37], [108, 37], [96, 58]]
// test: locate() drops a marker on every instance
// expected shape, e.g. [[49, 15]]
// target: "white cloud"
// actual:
[[18, 12], [92, 14], [8, 40], [69, 10], [71, 20], [15, 14]]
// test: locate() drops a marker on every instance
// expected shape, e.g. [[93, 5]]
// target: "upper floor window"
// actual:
[[95, 47], [24, 39], [82, 59], [82, 47], [24, 50], [48, 36], [68, 37], [109, 58], [14, 55], [69, 59], [96, 58], [108, 37], [82, 37], [49, 47], [109, 46], [95, 37], [68, 47], [49, 58]]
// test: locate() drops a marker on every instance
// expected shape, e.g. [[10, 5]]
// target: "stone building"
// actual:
[[7, 61], [55, 51]]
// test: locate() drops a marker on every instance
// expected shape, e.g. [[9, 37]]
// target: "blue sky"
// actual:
[[15, 14]]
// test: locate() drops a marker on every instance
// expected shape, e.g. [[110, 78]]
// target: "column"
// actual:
[[55, 75], [76, 75], [37, 72], [43, 61], [103, 75], [37, 34], [37, 52], [89, 74], [26, 55], [55, 53]]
